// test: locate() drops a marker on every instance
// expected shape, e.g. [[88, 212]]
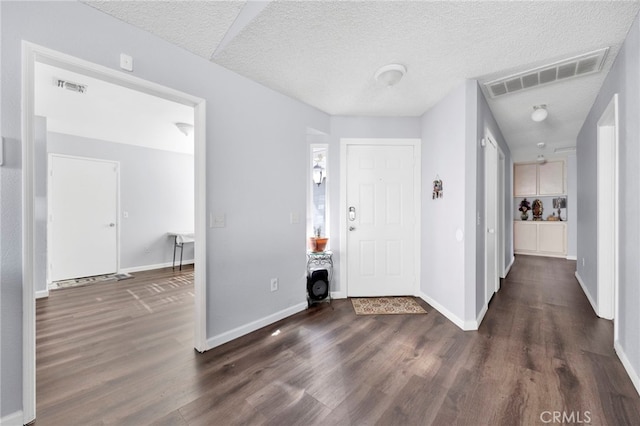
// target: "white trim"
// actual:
[[480, 316], [340, 294], [416, 143], [154, 266], [508, 268], [463, 325], [586, 292], [607, 212], [497, 231], [30, 54], [230, 335], [633, 374], [13, 419], [572, 257], [41, 294]]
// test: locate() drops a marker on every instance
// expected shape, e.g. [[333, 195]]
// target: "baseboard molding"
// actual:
[[586, 292], [508, 268], [152, 267], [572, 257], [481, 315], [338, 295], [13, 419], [633, 375], [41, 294], [230, 335], [465, 326]]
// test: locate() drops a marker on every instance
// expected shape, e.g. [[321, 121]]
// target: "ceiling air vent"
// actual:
[[576, 66], [74, 87]]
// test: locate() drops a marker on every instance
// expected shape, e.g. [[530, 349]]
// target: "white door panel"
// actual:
[[491, 219], [83, 202], [381, 236]]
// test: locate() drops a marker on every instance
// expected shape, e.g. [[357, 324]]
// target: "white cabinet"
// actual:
[[532, 179], [540, 238]]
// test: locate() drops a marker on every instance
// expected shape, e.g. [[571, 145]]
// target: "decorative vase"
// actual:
[[524, 216]]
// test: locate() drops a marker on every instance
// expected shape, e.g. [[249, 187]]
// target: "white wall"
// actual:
[[443, 255], [256, 165], [623, 79]]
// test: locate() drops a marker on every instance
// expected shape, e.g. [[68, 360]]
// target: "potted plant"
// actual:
[[317, 243], [525, 206]]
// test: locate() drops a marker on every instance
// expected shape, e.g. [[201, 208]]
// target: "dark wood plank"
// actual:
[[121, 353]]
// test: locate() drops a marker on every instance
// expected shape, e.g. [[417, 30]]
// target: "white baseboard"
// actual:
[[508, 268], [152, 267], [586, 292], [13, 419], [230, 335], [338, 294], [481, 315], [572, 257], [464, 325], [633, 375], [41, 294]]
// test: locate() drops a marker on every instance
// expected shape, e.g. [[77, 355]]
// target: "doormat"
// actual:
[[386, 306], [76, 282]]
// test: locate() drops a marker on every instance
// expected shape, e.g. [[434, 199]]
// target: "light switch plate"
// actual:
[[218, 221]]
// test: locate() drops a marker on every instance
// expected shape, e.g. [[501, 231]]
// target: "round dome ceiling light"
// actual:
[[391, 74], [539, 113]]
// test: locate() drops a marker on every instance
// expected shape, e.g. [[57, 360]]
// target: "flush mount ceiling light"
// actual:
[[541, 145], [391, 74], [539, 113], [185, 128]]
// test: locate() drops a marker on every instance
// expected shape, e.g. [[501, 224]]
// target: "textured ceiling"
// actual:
[[325, 53]]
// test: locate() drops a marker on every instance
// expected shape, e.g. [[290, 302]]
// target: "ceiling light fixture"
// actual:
[[541, 145], [539, 113], [390, 74], [185, 128]]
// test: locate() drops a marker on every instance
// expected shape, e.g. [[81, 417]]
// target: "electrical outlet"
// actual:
[[274, 284]]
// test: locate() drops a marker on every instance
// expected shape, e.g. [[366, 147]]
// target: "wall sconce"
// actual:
[[318, 174]]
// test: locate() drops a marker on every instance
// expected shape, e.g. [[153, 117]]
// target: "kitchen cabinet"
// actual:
[[533, 179], [540, 238]]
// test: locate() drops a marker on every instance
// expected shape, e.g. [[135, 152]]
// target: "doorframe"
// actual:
[[49, 204], [32, 53], [501, 215], [417, 180], [497, 231], [607, 171]]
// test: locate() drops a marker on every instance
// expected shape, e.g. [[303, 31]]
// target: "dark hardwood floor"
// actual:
[[121, 353]]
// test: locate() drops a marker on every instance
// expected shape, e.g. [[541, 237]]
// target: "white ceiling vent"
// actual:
[[577, 66], [74, 87]]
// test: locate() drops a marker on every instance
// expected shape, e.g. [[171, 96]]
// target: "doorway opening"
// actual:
[[607, 213], [31, 55]]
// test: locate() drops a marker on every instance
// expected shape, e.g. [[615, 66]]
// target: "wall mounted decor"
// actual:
[[437, 188]]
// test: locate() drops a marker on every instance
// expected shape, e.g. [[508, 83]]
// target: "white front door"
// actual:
[[381, 220], [491, 218], [83, 203]]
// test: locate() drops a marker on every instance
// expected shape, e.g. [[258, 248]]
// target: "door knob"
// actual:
[[352, 228], [111, 225], [491, 230]]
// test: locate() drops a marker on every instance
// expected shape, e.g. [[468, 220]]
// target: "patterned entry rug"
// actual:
[[386, 305], [76, 282]]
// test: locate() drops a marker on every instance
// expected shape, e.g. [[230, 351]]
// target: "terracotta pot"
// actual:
[[317, 245]]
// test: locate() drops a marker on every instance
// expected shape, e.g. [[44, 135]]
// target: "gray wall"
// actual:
[[623, 79], [256, 165], [156, 189]]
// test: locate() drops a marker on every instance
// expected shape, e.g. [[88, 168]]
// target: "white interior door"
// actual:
[[83, 203], [382, 230], [491, 218]]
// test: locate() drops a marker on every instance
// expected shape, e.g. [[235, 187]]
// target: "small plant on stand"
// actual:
[[317, 243]]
